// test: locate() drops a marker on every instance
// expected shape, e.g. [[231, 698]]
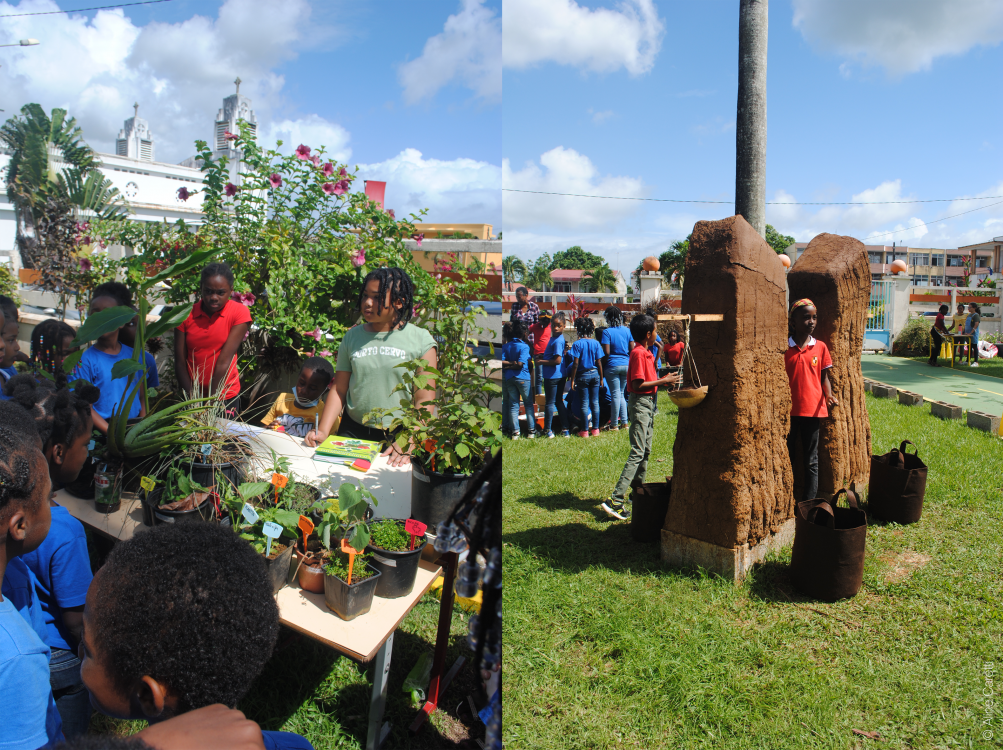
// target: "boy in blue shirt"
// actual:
[[96, 365], [157, 646], [30, 719], [553, 378], [586, 373], [516, 380], [61, 564]]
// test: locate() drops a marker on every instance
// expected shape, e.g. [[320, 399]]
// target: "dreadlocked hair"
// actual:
[[585, 327], [18, 454], [401, 290], [116, 290], [46, 342], [614, 317], [60, 414]]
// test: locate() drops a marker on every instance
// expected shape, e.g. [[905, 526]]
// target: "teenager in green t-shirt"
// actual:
[[366, 373]]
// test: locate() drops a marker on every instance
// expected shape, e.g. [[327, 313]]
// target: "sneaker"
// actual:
[[975, 364], [531, 436], [595, 433], [624, 426], [583, 433], [566, 434], [515, 437], [615, 511], [613, 428], [550, 435]]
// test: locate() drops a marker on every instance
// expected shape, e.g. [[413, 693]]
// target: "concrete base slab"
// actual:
[[982, 421], [945, 411], [730, 563]]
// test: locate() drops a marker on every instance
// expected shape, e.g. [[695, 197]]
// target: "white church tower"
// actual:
[[135, 141], [235, 107]]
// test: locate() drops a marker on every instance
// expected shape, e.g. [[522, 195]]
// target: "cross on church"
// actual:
[[135, 108], [238, 82]]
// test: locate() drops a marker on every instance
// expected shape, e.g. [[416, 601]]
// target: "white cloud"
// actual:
[[902, 36], [600, 40], [312, 130], [464, 191], [468, 49], [566, 171], [600, 117], [177, 72]]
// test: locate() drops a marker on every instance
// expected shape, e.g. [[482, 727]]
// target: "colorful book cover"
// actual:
[[342, 447]]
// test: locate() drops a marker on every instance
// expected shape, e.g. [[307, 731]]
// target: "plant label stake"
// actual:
[[272, 531], [280, 481], [250, 514], [147, 483], [206, 449], [415, 529], [306, 526], [351, 558]]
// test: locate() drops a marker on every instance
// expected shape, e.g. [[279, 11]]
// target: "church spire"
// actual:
[[235, 107], [135, 141]]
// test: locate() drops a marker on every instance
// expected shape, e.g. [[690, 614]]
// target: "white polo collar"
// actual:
[[811, 341]]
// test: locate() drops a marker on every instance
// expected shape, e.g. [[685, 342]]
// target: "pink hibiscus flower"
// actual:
[[316, 333], [183, 194], [343, 172], [326, 353], [275, 180], [230, 189], [359, 258], [340, 187], [390, 211], [303, 152], [328, 169], [229, 136], [85, 264], [418, 238], [328, 187], [315, 159]]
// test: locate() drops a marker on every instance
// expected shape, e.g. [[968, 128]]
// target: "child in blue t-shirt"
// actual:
[[127, 335], [656, 352], [151, 643], [30, 719], [586, 373], [8, 333], [616, 342], [516, 379], [96, 365], [553, 376], [61, 564]]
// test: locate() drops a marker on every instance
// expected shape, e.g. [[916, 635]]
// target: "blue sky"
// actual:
[[411, 92], [892, 102]]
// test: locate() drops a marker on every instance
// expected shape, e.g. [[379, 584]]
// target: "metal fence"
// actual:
[[879, 311]]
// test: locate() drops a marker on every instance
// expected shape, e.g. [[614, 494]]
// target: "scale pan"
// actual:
[[688, 397]]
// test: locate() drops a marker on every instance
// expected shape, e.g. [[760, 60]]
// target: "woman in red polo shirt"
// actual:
[[206, 344], [807, 362]]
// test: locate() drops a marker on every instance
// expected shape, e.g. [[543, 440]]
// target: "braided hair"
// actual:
[[114, 289], [46, 343], [585, 327], [19, 454], [60, 414], [217, 269], [401, 290], [614, 318]]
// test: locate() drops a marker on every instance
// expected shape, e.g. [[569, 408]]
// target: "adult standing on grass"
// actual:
[[616, 344], [206, 344], [972, 327], [938, 334], [367, 372]]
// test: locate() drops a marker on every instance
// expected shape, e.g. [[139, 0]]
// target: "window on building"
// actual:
[[921, 280], [936, 260], [955, 261], [221, 128], [146, 150], [122, 148], [982, 261], [874, 257], [919, 259], [562, 286]]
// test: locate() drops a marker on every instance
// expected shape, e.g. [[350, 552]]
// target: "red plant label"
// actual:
[[414, 527]]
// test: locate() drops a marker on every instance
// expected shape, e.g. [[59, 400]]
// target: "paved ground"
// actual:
[[961, 386]]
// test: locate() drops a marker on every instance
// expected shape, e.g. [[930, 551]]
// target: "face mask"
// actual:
[[304, 404]]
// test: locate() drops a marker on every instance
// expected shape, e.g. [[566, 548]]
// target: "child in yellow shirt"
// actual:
[[298, 412]]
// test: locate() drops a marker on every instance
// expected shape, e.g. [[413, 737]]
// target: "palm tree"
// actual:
[[750, 124], [599, 280], [51, 166], [538, 277], [513, 269]]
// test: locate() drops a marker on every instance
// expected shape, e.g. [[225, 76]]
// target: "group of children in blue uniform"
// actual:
[[178, 620]]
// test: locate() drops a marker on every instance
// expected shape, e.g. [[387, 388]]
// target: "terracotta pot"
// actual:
[[310, 574]]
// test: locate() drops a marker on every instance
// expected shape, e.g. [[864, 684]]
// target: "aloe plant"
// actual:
[[170, 427]]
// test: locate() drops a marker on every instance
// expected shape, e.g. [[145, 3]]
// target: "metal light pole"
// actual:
[[23, 43]]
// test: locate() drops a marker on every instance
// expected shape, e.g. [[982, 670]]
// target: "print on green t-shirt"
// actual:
[[372, 358]]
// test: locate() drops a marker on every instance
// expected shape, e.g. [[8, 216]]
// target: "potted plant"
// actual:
[[452, 441], [278, 554], [299, 497], [180, 499], [396, 555], [349, 580]]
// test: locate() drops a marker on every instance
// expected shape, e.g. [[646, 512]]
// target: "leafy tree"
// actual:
[[539, 277], [513, 268], [598, 280], [779, 242], [673, 260], [576, 259]]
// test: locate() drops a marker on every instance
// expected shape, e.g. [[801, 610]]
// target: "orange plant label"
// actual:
[[306, 526], [279, 480]]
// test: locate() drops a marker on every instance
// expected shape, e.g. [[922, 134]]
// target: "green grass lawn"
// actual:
[[605, 647], [308, 689]]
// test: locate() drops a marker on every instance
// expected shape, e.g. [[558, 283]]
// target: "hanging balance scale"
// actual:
[[689, 391]]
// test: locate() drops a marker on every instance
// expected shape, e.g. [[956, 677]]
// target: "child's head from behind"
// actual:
[[803, 318], [24, 482], [315, 377], [613, 316], [180, 617], [517, 330], [642, 329], [51, 343], [506, 332], [8, 331], [62, 418], [585, 327], [557, 323]]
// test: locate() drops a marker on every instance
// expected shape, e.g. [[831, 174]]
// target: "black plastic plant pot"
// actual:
[[434, 495], [204, 474], [278, 567], [648, 510], [398, 570], [156, 515], [348, 602]]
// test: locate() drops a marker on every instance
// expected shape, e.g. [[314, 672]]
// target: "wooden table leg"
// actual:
[[378, 702]]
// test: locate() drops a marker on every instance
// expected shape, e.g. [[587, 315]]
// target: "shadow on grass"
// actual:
[[568, 501]]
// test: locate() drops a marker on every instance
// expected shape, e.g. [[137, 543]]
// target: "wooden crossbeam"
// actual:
[[698, 318]]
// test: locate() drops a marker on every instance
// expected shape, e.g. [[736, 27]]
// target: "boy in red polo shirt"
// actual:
[[807, 362], [539, 337], [642, 385]]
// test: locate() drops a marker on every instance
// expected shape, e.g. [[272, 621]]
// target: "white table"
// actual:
[[368, 637]]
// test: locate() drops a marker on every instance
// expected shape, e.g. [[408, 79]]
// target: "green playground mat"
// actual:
[[961, 385]]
